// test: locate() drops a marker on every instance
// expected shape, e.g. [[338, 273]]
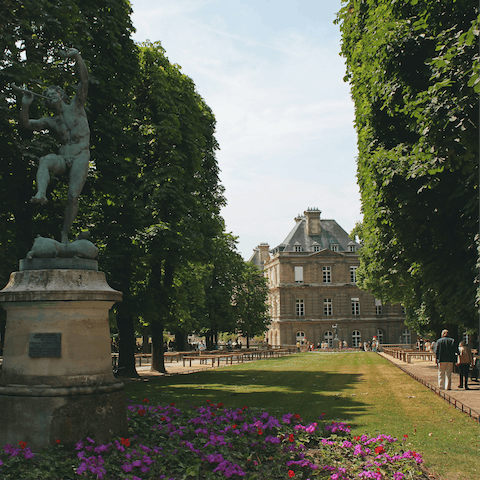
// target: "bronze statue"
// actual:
[[70, 126]]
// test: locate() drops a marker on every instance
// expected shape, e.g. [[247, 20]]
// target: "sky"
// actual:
[[271, 72]]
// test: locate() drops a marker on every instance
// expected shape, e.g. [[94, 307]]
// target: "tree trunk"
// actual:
[[126, 358], [248, 341], [181, 341], [158, 360]]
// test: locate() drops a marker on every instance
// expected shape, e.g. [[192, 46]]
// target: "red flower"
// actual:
[[298, 417], [57, 440], [357, 438], [162, 419], [22, 444], [220, 405], [405, 436], [146, 400], [291, 437], [172, 404], [379, 450], [234, 426], [260, 431], [141, 412], [291, 473], [125, 441]]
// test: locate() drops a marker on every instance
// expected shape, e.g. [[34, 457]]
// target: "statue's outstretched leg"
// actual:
[[78, 176], [49, 163]]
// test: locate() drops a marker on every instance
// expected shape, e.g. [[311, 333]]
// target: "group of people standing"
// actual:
[[448, 354]]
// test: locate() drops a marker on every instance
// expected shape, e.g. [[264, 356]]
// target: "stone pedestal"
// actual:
[[56, 380]]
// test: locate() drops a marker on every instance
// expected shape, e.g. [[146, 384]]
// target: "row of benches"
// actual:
[[407, 355], [214, 356]]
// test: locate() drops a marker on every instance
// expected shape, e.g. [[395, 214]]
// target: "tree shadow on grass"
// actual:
[[278, 391]]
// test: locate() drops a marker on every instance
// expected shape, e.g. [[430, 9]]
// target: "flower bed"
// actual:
[[210, 442]]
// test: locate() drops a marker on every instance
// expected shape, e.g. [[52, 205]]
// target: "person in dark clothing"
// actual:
[[446, 352]]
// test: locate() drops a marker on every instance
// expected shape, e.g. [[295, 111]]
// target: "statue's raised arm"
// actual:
[[82, 89]]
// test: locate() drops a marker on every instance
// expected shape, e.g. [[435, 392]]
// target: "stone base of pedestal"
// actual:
[[62, 415], [56, 381]]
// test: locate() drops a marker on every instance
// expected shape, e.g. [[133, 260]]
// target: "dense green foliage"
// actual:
[[250, 300], [413, 67], [153, 196], [31, 34]]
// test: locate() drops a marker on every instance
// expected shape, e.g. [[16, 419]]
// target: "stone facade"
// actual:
[[313, 293]]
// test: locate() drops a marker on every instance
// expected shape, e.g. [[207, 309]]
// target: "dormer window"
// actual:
[[334, 247], [352, 248], [316, 248], [297, 248]]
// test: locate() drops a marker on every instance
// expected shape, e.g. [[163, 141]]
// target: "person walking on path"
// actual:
[[445, 350], [465, 359]]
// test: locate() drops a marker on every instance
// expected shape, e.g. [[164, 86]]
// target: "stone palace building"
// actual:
[[313, 293]]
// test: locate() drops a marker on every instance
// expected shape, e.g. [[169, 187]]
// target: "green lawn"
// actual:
[[363, 389]]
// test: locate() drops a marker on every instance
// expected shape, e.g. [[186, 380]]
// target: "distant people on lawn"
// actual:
[[465, 360], [446, 350]]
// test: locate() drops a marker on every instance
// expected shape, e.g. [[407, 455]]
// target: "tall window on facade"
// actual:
[[299, 307], [300, 337], [466, 338], [406, 336], [298, 274], [378, 307], [327, 274], [355, 306], [328, 337], [327, 307], [353, 274], [379, 335], [356, 339]]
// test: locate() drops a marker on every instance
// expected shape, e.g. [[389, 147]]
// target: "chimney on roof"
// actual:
[[313, 221], [263, 252]]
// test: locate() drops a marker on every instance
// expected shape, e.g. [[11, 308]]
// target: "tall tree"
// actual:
[[413, 68], [227, 266], [251, 302], [180, 185]]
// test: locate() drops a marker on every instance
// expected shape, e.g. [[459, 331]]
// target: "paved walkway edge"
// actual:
[[441, 393]]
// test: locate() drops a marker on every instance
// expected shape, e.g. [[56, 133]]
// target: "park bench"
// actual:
[[205, 358], [423, 355]]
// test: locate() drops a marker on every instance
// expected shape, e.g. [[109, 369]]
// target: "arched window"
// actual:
[[356, 339], [329, 338], [379, 335], [406, 336], [300, 337]]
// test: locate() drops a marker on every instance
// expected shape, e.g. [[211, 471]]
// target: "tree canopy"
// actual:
[[413, 67]]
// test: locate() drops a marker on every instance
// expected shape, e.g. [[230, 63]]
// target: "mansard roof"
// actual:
[[331, 233]]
